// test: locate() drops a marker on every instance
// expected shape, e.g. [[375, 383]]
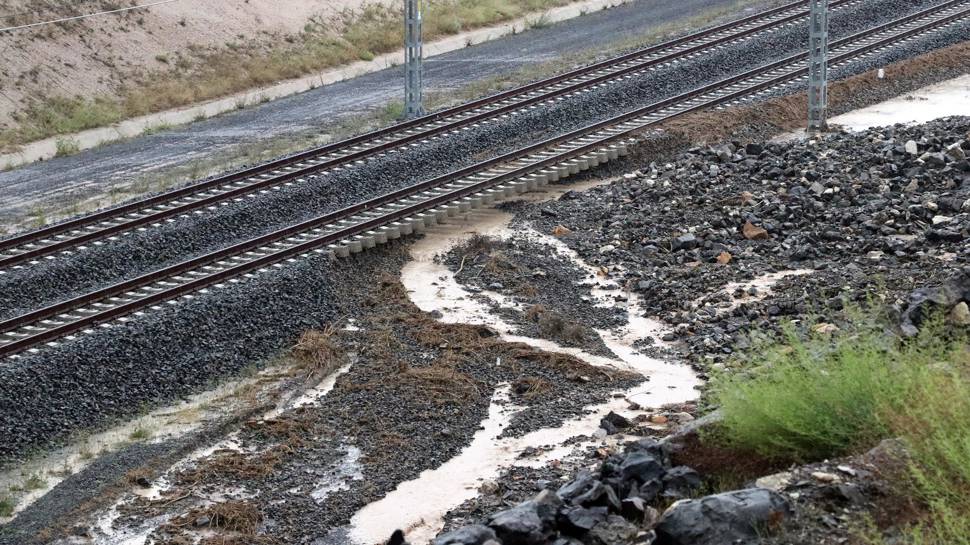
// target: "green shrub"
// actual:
[[66, 146], [812, 397]]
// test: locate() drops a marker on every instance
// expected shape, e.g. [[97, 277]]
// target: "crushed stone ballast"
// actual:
[[75, 235], [412, 209]]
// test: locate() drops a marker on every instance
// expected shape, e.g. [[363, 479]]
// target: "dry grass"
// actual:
[[531, 387], [205, 74], [318, 352], [137, 476], [232, 516], [234, 465], [553, 324], [238, 540], [442, 384]]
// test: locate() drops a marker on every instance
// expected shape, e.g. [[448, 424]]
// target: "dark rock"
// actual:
[[466, 535], [615, 530], [641, 466], [599, 494], [617, 421], [649, 490], [925, 301], [680, 481], [741, 516], [529, 523], [579, 520], [684, 242]]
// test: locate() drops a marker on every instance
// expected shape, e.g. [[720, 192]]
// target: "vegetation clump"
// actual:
[[815, 396]]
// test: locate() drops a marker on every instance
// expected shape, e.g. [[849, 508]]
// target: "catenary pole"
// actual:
[[818, 71], [413, 106]]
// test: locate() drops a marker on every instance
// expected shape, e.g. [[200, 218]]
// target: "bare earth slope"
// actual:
[[98, 55]]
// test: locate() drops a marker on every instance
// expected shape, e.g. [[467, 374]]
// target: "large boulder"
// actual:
[[475, 534], [529, 523], [740, 516], [579, 520]]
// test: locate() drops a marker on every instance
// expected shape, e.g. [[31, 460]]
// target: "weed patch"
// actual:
[[812, 397], [66, 146]]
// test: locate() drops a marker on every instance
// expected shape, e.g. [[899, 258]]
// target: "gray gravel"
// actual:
[[138, 253], [316, 111]]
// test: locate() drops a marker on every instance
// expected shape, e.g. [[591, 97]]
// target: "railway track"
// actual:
[[413, 209], [98, 228]]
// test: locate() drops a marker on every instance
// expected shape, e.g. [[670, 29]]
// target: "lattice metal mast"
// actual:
[[413, 106], [818, 70]]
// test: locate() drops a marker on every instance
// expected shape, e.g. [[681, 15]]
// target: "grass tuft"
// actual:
[[66, 146], [7, 506], [140, 434], [808, 398], [34, 482]]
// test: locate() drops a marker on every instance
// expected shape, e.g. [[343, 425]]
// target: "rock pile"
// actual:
[[613, 505], [887, 208]]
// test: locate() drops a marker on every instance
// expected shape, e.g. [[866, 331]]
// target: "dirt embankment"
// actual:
[[68, 74], [101, 55]]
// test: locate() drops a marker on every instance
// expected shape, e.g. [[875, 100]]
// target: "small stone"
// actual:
[[658, 419], [824, 477], [724, 258], [933, 160], [955, 152], [824, 328], [560, 230], [817, 188], [489, 487], [776, 482], [847, 470], [496, 286], [684, 242], [960, 314], [466, 535], [911, 187], [607, 249], [940, 220], [753, 232], [911, 147]]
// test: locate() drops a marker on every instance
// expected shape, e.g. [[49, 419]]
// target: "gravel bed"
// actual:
[[554, 294], [171, 352], [195, 234], [413, 397]]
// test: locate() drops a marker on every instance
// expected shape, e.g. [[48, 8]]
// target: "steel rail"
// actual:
[[34, 328], [61, 237]]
